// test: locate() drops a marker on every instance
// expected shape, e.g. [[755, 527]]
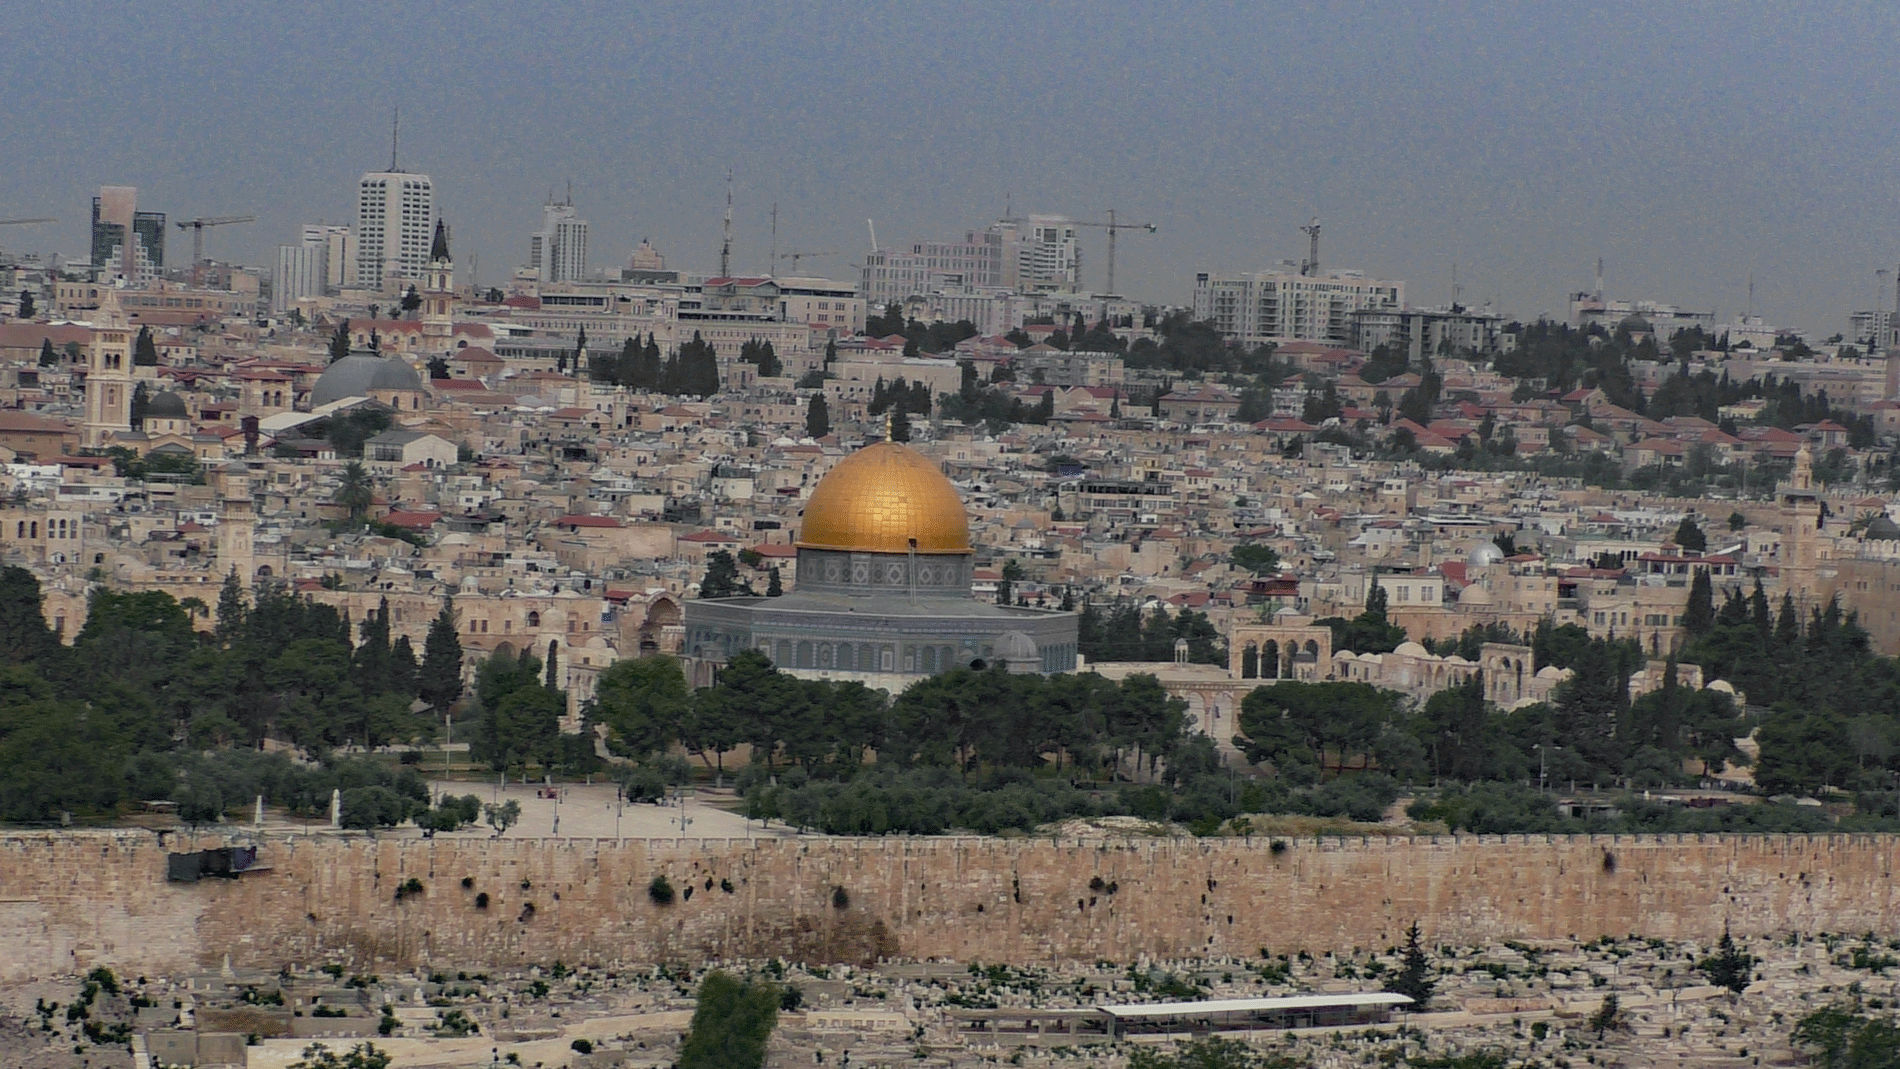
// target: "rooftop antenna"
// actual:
[[725, 245], [1311, 265], [1598, 292], [1454, 284], [1751, 295], [570, 192], [395, 129], [772, 265], [873, 225]]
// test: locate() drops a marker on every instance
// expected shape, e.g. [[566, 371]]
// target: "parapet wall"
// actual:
[[70, 901]]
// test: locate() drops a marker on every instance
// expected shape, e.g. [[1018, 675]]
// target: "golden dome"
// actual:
[[879, 498]]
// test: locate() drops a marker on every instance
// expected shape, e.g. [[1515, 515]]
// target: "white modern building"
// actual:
[[1255, 308], [1039, 254], [395, 219], [300, 271], [339, 251], [558, 251]]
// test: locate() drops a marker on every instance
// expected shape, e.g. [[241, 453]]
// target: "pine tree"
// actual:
[[439, 682], [1414, 978], [340, 342], [1690, 537], [817, 417], [722, 577]]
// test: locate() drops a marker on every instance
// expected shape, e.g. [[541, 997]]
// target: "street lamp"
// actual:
[[1542, 750]]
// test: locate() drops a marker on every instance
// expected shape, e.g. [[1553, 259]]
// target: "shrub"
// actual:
[[661, 890], [582, 1046]]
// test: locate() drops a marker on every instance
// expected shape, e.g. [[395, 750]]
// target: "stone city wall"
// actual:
[[69, 901]]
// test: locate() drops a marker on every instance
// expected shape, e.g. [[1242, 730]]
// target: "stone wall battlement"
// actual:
[[72, 900]]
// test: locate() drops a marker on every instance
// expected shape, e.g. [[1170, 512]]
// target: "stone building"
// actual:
[[884, 589]]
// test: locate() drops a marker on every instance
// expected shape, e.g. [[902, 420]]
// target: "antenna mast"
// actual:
[[725, 245], [1599, 290], [771, 266], [395, 128], [1311, 266]]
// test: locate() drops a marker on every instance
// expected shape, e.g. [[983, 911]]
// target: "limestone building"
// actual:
[[884, 589]]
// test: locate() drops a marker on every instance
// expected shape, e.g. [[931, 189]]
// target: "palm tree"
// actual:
[[357, 492]]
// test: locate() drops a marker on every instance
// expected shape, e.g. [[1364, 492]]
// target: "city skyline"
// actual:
[[1686, 144]]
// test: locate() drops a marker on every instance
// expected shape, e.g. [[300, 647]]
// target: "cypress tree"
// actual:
[[1414, 978], [340, 342], [231, 609], [553, 680], [900, 425], [440, 680], [817, 417], [144, 350], [774, 587], [49, 357], [1698, 616]]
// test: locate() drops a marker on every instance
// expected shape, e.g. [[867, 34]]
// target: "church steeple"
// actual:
[[438, 299]]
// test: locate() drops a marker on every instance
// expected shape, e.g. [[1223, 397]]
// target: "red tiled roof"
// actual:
[[575, 519]]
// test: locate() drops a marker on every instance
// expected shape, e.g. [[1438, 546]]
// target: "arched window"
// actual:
[[35, 528], [21, 533], [784, 658], [534, 619], [804, 655], [1270, 660]]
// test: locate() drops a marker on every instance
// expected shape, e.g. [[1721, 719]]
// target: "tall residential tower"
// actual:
[[395, 215]]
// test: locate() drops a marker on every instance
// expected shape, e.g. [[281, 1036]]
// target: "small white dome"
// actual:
[[1411, 649], [1484, 553]]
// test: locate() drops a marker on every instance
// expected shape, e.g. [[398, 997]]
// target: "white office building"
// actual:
[[339, 251], [558, 251], [1280, 306], [395, 220], [300, 270]]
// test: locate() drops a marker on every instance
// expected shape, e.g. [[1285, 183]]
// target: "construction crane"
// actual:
[[796, 256], [23, 222], [1112, 227], [197, 228]]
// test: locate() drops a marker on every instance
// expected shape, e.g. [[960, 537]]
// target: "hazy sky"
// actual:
[[1686, 143]]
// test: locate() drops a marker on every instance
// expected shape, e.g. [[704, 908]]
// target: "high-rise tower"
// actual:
[[559, 249], [126, 242], [395, 211]]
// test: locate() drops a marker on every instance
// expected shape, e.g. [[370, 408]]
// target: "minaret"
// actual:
[[236, 525], [438, 300], [1801, 530], [108, 375]]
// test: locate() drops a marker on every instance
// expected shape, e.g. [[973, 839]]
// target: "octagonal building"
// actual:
[[883, 592]]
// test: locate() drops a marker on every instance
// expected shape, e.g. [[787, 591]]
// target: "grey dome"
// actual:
[[1016, 648], [167, 405], [1484, 553], [358, 373]]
